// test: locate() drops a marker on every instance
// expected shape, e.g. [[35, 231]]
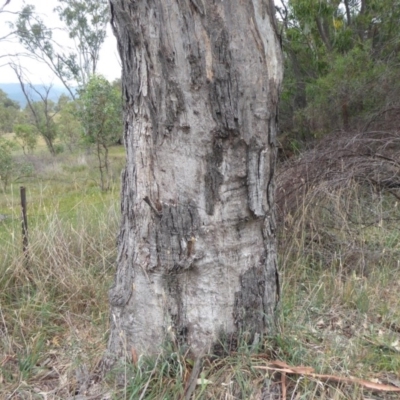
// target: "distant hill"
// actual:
[[14, 92]]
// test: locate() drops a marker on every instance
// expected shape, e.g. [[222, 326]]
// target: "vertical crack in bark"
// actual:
[[213, 178], [199, 6], [256, 178], [272, 124], [176, 308], [121, 291], [272, 288], [173, 96], [191, 43]]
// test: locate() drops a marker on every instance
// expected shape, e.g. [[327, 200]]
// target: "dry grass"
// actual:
[[339, 313], [336, 163], [340, 258], [53, 304]]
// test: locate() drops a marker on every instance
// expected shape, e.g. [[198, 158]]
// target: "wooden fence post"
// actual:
[[24, 222]]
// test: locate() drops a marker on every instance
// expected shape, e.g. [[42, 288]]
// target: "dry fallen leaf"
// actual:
[[201, 381], [396, 345]]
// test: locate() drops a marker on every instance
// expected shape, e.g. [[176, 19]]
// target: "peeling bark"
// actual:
[[197, 255]]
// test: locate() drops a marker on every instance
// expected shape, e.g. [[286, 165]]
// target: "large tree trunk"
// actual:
[[197, 254]]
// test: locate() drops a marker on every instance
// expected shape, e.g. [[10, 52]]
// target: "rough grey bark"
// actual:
[[197, 256]]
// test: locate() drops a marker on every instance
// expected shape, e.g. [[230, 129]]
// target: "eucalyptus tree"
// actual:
[[101, 116], [84, 22], [70, 129], [42, 112], [197, 252], [26, 137]]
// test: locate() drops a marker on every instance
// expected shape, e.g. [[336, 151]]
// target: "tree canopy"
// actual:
[[8, 112], [101, 116], [341, 64], [84, 21]]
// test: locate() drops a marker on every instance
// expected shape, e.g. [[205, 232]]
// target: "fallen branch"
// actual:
[[280, 366]]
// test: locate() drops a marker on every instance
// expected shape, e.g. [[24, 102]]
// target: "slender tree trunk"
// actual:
[[49, 144], [101, 167], [106, 165], [348, 12], [197, 256], [323, 32]]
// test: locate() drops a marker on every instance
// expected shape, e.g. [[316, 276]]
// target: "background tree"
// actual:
[[197, 255], [26, 136], [101, 116], [85, 23], [9, 110], [42, 112], [341, 64], [6, 161], [69, 127]]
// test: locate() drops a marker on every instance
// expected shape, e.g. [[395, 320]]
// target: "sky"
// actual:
[[109, 64]]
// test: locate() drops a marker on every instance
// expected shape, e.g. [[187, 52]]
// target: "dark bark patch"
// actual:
[[224, 91], [213, 178], [198, 6], [175, 104], [121, 291], [152, 107], [196, 71], [176, 233], [221, 134], [130, 84], [173, 287], [173, 96], [249, 301], [191, 44]]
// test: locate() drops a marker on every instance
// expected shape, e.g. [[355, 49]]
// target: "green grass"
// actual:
[[53, 305], [339, 257]]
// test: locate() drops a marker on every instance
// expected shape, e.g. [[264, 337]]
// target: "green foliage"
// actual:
[[338, 56], [101, 111], [8, 112], [27, 362], [6, 161], [86, 22], [11, 169], [336, 97], [26, 136], [69, 127], [42, 116], [101, 116]]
